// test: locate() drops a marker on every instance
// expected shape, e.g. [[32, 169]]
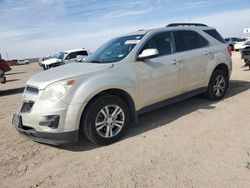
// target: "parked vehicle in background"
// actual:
[[11, 62], [245, 54], [65, 57], [127, 76], [231, 42], [23, 62], [4, 67], [240, 44]]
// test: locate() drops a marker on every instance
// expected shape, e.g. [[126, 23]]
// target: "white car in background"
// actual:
[[240, 44], [23, 62], [65, 57]]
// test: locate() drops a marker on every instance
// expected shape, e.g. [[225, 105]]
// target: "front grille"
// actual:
[[27, 106]]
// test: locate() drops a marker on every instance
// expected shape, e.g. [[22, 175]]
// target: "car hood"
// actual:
[[73, 70], [51, 61]]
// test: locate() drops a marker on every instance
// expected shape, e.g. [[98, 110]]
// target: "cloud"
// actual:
[[230, 23], [40, 27]]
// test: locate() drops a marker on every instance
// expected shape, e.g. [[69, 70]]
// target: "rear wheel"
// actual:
[[218, 85], [106, 120]]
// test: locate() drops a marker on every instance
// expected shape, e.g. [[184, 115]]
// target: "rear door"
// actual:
[[194, 50]]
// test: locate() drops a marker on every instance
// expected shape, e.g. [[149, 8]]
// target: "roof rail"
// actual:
[[186, 24]]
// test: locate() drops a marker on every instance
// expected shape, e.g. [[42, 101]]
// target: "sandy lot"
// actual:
[[194, 143]]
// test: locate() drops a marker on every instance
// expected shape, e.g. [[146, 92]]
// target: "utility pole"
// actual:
[[7, 56]]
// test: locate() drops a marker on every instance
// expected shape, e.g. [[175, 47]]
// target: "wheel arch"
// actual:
[[224, 67], [116, 92]]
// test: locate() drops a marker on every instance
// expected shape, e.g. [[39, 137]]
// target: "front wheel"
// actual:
[[218, 85], [106, 120]]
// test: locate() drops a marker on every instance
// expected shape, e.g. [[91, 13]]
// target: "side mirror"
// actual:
[[79, 58], [148, 53]]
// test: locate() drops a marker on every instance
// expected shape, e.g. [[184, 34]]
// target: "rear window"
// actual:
[[213, 33], [242, 40]]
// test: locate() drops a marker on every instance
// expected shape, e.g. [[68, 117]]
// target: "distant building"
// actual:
[[0, 56], [247, 33]]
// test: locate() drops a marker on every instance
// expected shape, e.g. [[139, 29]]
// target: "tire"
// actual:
[[218, 85], [1, 73], [100, 125]]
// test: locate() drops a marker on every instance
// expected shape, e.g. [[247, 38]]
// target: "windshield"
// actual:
[[248, 43], [62, 55], [114, 50]]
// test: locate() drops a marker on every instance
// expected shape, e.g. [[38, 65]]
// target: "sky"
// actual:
[[38, 28]]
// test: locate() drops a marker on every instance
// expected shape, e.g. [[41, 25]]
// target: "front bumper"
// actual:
[[44, 137]]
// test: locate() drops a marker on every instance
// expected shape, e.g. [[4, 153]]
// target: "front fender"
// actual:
[[87, 88]]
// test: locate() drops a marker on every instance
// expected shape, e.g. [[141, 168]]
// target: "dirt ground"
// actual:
[[193, 143]]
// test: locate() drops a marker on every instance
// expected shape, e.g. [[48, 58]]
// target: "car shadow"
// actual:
[[13, 80], [7, 74], [11, 91], [164, 116]]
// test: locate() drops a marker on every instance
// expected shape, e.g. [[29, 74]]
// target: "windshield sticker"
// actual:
[[132, 41]]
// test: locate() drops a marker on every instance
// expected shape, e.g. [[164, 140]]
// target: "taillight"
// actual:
[[229, 49]]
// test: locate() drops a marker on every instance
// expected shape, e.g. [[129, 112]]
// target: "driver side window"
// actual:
[[163, 42]]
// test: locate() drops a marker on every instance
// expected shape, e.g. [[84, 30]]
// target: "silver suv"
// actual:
[[127, 76]]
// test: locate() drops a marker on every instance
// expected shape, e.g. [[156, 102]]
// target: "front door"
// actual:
[[159, 78]]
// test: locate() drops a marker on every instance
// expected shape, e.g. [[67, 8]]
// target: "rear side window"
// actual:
[[163, 42], [189, 40], [213, 33], [84, 53]]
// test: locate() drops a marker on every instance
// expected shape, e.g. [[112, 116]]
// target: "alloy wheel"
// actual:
[[109, 121], [219, 85]]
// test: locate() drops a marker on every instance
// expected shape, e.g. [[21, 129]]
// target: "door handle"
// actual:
[[207, 52], [176, 62]]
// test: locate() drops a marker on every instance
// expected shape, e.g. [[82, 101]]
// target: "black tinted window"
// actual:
[[71, 56], [234, 39], [241, 40], [163, 42], [85, 53], [213, 33], [189, 40]]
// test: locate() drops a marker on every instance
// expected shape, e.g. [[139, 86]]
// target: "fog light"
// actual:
[[50, 121]]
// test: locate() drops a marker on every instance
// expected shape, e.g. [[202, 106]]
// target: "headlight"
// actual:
[[57, 90]]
